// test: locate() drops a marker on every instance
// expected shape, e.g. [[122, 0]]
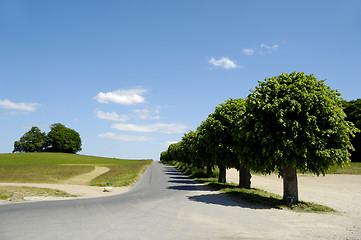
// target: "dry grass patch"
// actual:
[[7, 191]]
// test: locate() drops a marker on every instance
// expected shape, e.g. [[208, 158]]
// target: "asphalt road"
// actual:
[[164, 204]]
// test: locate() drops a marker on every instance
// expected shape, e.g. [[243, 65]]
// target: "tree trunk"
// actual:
[[290, 186], [209, 171], [244, 178], [222, 174]]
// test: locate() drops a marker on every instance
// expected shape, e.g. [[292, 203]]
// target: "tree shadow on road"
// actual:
[[187, 188], [178, 178], [181, 181], [215, 198], [249, 198], [173, 175], [230, 196], [170, 170], [187, 184], [225, 199]]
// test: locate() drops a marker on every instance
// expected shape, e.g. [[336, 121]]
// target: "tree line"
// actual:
[[353, 111], [59, 139], [289, 122]]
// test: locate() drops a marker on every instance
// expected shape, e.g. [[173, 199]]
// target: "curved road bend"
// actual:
[[164, 204]]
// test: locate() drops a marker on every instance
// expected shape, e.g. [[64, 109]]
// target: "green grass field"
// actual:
[[57, 167]]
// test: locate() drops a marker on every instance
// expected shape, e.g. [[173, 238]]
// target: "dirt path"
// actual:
[[75, 186], [86, 178], [78, 190]]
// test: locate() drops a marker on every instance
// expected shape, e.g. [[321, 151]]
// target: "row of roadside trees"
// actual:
[[59, 139], [289, 122], [353, 111]]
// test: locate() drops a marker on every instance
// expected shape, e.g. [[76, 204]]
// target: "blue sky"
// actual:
[[133, 76]]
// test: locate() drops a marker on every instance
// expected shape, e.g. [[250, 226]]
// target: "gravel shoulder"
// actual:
[[339, 191]]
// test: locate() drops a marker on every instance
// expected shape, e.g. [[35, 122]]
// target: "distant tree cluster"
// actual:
[[59, 139], [289, 122]]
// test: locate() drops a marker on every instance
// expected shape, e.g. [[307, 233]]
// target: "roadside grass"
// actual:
[[7, 191], [249, 196], [57, 167], [192, 171], [121, 175], [354, 168]]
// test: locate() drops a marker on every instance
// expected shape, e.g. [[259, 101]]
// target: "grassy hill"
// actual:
[[57, 167]]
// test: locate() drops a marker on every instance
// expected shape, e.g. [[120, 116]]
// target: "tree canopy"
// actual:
[[31, 141], [219, 130], [293, 121], [59, 139], [296, 120], [63, 139], [353, 111]]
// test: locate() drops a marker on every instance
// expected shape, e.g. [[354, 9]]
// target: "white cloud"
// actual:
[[29, 107], [158, 127], [113, 116], [142, 113], [273, 47], [146, 114], [248, 51], [124, 137], [124, 97], [223, 62], [139, 114]]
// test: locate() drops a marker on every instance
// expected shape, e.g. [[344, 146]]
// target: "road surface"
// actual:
[[164, 204]]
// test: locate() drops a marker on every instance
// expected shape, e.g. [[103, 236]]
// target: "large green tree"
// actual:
[[31, 141], [220, 128], [202, 148], [189, 149], [173, 153], [293, 121], [63, 139]]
